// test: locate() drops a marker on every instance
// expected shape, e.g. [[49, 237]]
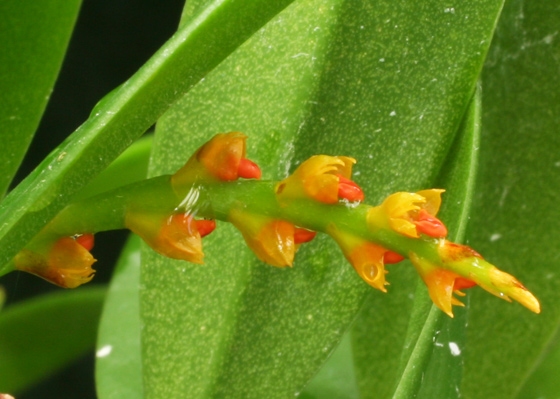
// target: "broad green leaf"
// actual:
[[118, 364], [543, 382], [40, 336], [515, 213], [385, 83], [336, 379], [416, 359], [126, 113], [34, 37]]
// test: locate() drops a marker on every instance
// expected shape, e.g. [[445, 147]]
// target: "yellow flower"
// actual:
[[461, 267], [410, 214], [368, 259], [178, 236], [222, 158], [271, 240], [67, 263], [323, 178]]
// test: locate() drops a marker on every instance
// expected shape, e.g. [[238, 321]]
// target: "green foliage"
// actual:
[[34, 39], [41, 335], [118, 367], [391, 84]]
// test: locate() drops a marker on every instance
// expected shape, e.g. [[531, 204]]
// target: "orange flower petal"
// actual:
[[176, 236], [67, 263], [248, 169], [271, 240]]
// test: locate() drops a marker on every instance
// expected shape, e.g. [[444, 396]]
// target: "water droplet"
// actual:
[[454, 349], [104, 351]]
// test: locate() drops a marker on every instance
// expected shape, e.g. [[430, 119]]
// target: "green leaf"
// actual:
[[515, 213], [118, 365], [336, 379], [40, 336], [387, 84], [126, 113], [34, 37], [543, 382]]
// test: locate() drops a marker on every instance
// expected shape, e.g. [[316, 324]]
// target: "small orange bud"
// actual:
[[222, 158], [391, 257], [430, 225], [462, 283], [205, 226], [302, 236], [248, 169], [86, 240], [349, 190]]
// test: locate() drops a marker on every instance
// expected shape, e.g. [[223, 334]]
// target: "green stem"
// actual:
[[215, 200]]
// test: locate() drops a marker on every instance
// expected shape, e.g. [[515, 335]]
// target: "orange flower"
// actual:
[[367, 258], [410, 214], [323, 178], [271, 240], [461, 267], [222, 158], [67, 263], [178, 236]]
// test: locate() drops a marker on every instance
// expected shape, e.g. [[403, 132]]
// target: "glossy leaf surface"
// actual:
[[34, 37], [360, 80], [515, 212]]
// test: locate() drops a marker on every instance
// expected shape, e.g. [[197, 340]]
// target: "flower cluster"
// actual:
[[276, 218]]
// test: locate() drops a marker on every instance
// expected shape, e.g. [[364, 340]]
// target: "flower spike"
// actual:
[[275, 218]]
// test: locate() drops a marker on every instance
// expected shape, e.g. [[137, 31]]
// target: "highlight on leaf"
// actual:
[[172, 214]]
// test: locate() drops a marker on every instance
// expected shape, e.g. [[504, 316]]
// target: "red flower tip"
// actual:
[[391, 257], [248, 169], [462, 283], [302, 236], [205, 226], [430, 225], [349, 190], [86, 240]]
